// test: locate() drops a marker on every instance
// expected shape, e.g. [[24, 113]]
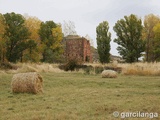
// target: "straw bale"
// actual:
[[30, 82], [109, 74]]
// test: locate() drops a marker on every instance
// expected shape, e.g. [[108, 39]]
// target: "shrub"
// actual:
[[117, 69], [98, 69], [88, 69], [61, 66], [70, 65], [7, 65]]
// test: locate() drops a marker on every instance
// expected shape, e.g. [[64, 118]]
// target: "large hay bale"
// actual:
[[109, 74], [30, 82]]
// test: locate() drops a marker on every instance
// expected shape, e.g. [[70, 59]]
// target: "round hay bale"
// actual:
[[109, 74], [30, 82]]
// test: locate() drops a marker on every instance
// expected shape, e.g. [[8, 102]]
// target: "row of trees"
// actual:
[[134, 38], [29, 39]]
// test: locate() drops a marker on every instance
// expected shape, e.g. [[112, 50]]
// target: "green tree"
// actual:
[[31, 53], [103, 42], [16, 36], [57, 47], [129, 38], [51, 37]]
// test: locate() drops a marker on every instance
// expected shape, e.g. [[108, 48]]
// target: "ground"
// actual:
[[77, 96]]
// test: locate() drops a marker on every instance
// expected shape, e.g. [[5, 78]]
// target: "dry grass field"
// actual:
[[77, 96]]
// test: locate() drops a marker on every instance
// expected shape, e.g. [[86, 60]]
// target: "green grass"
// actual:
[[75, 96]]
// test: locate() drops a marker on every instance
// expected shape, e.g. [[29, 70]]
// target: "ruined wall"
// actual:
[[78, 48], [86, 51]]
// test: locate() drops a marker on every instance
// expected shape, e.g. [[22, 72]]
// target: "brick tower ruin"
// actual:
[[77, 48]]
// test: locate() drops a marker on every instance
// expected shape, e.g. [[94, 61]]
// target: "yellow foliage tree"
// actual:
[[51, 37], [57, 34], [33, 25], [148, 35], [156, 48], [2, 39], [57, 46]]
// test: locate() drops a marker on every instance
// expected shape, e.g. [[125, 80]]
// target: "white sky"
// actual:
[[86, 14]]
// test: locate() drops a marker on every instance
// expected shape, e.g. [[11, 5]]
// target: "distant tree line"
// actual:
[[26, 38], [135, 38]]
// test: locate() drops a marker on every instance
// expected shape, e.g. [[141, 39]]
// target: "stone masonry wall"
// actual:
[[78, 48]]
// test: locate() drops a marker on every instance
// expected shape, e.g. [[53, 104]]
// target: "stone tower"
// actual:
[[78, 48]]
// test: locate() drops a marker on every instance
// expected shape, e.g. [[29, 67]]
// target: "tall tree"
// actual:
[[51, 37], [148, 35], [103, 41], [156, 48], [16, 36], [2, 39], [129, 38], [57, 47], [33, 54]]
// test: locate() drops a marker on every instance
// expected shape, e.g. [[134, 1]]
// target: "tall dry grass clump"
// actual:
[[98, 68], [30, 82], [143, 69], [35, 67]]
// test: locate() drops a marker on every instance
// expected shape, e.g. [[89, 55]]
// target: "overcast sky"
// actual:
[[86, 14]]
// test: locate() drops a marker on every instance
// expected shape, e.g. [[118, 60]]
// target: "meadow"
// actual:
[[79, 96]]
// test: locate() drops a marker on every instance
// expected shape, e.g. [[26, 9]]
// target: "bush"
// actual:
[[88, 69], [7, 65], [61, 66], [98, 69], [117, 69], [70, 65]]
